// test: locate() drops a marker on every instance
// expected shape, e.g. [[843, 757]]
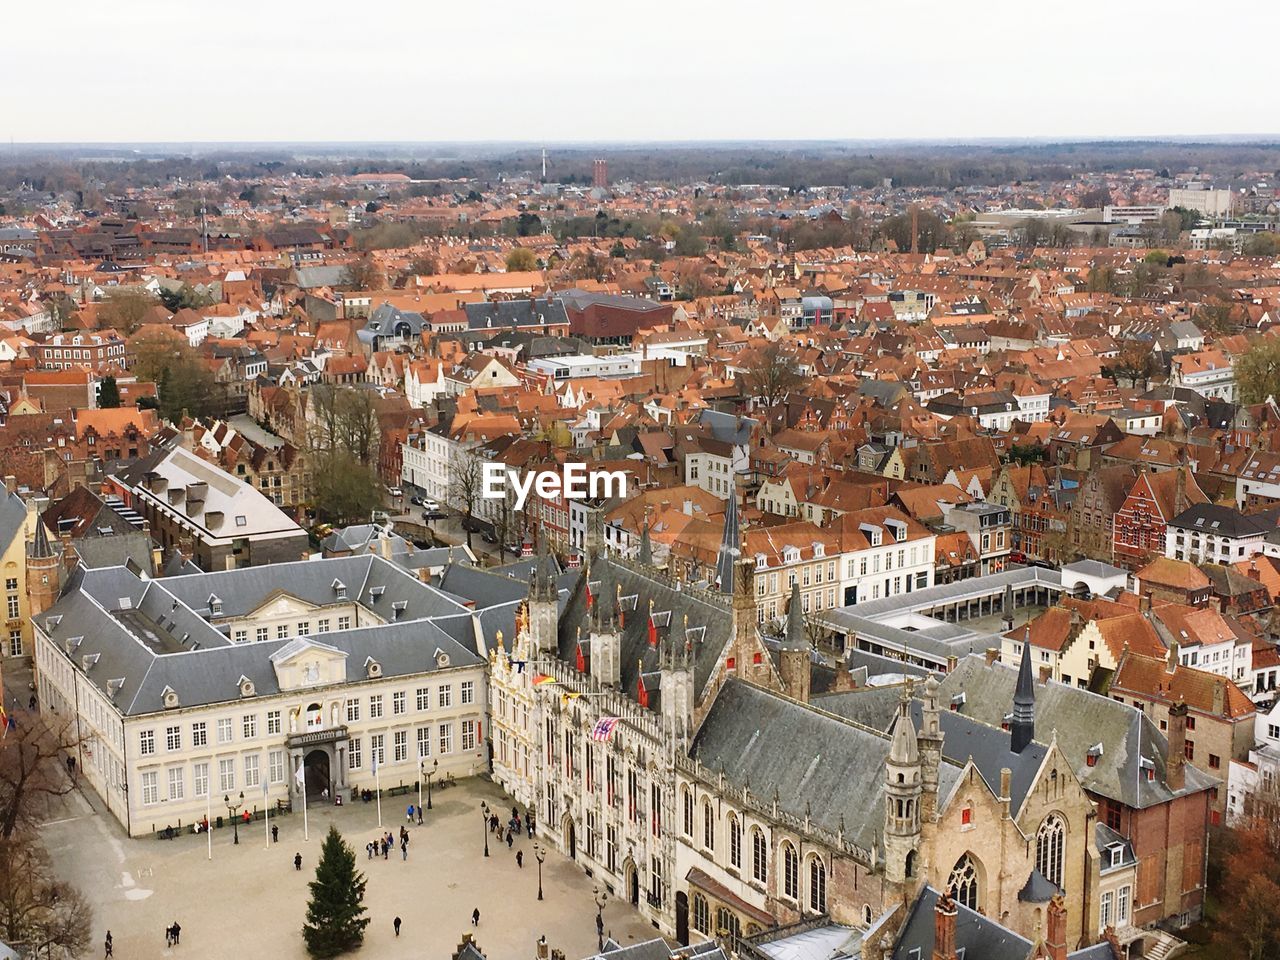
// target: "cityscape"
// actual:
[[847, 536]]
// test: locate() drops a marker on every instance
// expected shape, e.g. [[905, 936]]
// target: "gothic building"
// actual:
[[691, 766]]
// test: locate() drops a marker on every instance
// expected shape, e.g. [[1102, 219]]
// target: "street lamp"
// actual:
[[233, 810], [484, 809], [601, 897], [539, 854], [435, 766]]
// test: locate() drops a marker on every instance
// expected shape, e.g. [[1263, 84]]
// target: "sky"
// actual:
[[599, 70]]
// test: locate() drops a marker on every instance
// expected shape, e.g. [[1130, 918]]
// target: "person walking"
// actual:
[[177, 933], [509, 840], [475, 917], [108, 943], [168, 937], [408, 813], [419, 816], [520, 859], [404, 850], [396, 923], [275, 834], [297, 861]]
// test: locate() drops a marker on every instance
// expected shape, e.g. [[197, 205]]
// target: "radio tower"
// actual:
[[544, 164], [915, 229]]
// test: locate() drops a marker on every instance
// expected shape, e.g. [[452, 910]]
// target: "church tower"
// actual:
[[796, 665], [44, 572], [903, 783], [544, 607], [735, 576], [675, 663]]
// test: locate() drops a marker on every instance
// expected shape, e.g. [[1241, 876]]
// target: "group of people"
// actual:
[[513, 827], [409, 811], [171, 934], [386, 843]]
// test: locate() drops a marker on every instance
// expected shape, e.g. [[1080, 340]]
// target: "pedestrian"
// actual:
[[385, 848], [297, 861], [177, 932], [108, 943], [168, 936], [509, 840], [368, 848], [396, 923], [475, 917], [404, 850], [275, 834], [520, 859], [408, 813], [419, 816]]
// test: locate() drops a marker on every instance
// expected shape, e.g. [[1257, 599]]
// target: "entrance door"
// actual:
[[571, 840], [317, 776], [634, 886], [682, 918]]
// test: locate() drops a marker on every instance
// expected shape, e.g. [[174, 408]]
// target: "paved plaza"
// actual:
[[248, 901]]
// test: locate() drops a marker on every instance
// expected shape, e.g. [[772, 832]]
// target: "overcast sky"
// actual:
[[440, 70]]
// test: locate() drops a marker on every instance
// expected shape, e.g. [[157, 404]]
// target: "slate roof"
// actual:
[[134, 637], [13, 517], [821, 765], [976, 935], [1079, 719]]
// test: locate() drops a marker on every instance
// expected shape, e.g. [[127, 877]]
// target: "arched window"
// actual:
[[735, 842], [759, 855], [963, 882], [708, 825], [727, 923], [817, 885], [315, 716], [790, 872], [688, 812], [1050, 839], [701, 914], [866, 914]]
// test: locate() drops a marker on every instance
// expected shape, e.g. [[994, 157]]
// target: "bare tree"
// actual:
[[466, 485], [33, 770], [37, 909], [362, 274], [772, 376]]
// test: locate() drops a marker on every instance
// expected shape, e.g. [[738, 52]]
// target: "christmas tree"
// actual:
[[335, 920]]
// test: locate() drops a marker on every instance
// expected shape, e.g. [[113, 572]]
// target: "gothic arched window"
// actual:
[[701, 914], [963, 882], [759, 855], [790, 872], [708, 825], [1050, 839], [735, 841], [817, 885]]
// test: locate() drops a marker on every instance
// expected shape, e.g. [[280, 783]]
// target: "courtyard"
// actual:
[[249, 901]]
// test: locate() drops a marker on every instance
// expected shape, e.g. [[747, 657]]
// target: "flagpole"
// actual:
[[377, 788], [266, 815], [208, 808], [300, 777]]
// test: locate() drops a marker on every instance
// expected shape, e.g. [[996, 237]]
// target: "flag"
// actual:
[[590, 599], [653, 632], [264, 787], [519, 665], [566, 697], [300, 775], [603, 730], [579, 661], [642, 693], [541, 680], [375, 762]]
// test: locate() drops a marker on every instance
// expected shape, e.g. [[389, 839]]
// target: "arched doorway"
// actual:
[[570, 838], [682, 918], [317, 772], [633, 884]]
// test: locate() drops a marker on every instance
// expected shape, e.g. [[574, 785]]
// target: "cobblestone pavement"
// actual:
[[249, 902]]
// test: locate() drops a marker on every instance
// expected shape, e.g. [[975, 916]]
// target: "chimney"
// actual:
[[11, 483], [1219, 698], [1175, 768], [1056, 940], [992, 655], [1046, 674], [944, 928]]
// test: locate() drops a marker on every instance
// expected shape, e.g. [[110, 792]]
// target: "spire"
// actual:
[[795, 620], [1022, 728], [40, 549], [730, 550], [903, 748], [542, 583], [646, 547]]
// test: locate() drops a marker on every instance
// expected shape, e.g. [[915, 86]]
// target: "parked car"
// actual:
[[489, 537], [395, 492], [429, 504], [416, 500]]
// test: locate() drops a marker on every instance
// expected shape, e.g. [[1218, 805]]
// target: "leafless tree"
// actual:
[[466, 485], [33, 769], [772, 376], [37, 909]]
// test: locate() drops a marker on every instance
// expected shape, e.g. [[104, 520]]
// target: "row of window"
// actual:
[[442, 733], [175, 778], [283, 630], [225, 728]]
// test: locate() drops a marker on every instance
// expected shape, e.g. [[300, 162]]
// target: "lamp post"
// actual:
[[435, 765], [484, 810], [600, 897], [539, 854], [233, 811]]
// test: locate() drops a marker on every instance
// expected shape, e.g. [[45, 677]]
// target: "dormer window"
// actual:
[[215, 604], [339, 589], [376, 592], [790, 555], [1115, 854], [760, 561], [399, 607], [818, 549]]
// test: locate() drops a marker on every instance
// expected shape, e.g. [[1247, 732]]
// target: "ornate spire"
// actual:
[[730, 540], [903, 748], [40, 548], [646, 547], [1022, 727]]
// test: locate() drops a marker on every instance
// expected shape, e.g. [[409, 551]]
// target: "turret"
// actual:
[[606, 642], [44, 572], [930, 745], [903, 784], [544, 607], [675, 663], [795, 666]]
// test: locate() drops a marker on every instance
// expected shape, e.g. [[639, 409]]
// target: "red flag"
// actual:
[[642, 694], [589, 597], [653, 632], [580, 661]]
